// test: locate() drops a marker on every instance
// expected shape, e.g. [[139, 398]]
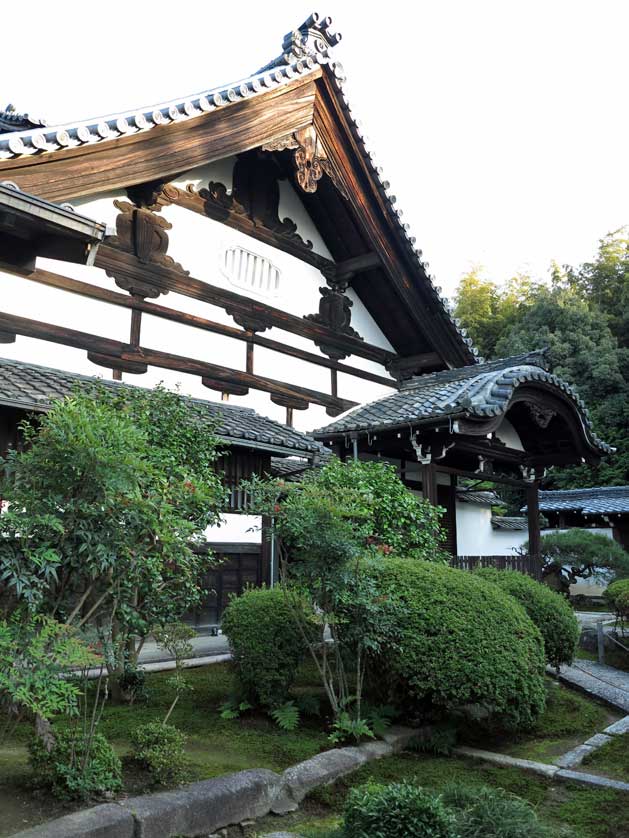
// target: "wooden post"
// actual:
[[535, 549], [429, 483], [600, 641], [452, 517]]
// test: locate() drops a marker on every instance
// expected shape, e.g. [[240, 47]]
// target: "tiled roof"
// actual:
[[603, 500], [303, 51], [482, 497], [479, 391], [33, 387], [515, 524]]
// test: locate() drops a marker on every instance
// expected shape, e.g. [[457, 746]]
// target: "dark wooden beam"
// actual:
[[237, 305], [164, 360], [356, 264], [489, 478], [168, 149], [84, 289]]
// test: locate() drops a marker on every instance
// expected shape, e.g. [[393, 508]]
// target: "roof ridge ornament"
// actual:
[[11, 120], [313, 39]]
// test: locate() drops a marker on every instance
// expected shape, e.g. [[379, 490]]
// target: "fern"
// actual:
[[286, 716], [309, 705], [232, 709]]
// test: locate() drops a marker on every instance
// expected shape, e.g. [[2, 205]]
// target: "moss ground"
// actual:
[[570, 718], [587, 813], [217, 746], [612, 760]]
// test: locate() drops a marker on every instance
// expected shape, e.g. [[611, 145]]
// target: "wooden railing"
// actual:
[[524, 563]]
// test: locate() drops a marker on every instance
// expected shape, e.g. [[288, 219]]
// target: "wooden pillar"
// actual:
[[250, 346], [452, 522], [429, 483], [532, 503]]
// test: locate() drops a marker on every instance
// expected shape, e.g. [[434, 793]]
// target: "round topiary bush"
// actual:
[[266, 644], [462, 645], [395, 810], [75, 767], [550, 612], [159, 747]]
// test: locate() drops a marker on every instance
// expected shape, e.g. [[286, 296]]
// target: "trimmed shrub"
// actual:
[[550, 612], [266, 644], [76, 769], [492, 813], [395, 810], [462, 645], [617, 594], [159, 747]]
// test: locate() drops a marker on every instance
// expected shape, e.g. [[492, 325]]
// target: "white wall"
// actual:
[[197, 243], [477, 537]]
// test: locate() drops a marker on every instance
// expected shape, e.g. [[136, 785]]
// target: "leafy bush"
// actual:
[[617, 594], [462, 644], [492, 813], [160, 748], [550, 612], [397, 809], [266, 644], [77, 766]]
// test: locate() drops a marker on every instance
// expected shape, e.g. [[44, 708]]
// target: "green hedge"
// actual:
[[265, 643], [551, 612], [462, 644]]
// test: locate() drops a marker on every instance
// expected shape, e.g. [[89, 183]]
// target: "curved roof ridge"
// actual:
[[480, 391]]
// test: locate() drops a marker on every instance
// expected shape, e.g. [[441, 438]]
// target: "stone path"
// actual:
[[599, 681]]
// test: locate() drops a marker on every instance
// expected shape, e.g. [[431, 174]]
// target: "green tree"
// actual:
[[583, 350], [605, 281], [106, 503]]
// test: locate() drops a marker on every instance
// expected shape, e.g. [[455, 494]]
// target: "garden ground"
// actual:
[[218, 746]]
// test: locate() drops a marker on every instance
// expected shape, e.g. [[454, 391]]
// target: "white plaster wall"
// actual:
[[507, 433], [197, 243], [237, 528], [477, 537]]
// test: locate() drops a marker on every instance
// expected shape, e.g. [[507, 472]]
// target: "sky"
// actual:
[[502, 125]]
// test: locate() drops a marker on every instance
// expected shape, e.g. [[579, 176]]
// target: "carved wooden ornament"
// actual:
[[143, 234]]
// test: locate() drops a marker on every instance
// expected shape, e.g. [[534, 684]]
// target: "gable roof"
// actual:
[[602, 500], [306, 54], [482, 391], [35, 388]]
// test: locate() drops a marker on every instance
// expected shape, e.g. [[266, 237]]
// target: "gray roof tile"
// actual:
[[32, 387], [478, 391], [602, 500]]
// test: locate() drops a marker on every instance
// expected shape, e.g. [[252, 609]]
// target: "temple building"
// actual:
[[244, 243]]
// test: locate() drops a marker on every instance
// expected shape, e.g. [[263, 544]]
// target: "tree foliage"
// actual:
[[581, 316], [106, 502], [327, 526], [579, 554]]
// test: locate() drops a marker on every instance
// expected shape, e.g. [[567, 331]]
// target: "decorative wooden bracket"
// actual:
[[335, 313], [143, 234], [309, 158]]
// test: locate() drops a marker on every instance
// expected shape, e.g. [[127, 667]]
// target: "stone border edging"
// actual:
[[552, 772], [204, 807]]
